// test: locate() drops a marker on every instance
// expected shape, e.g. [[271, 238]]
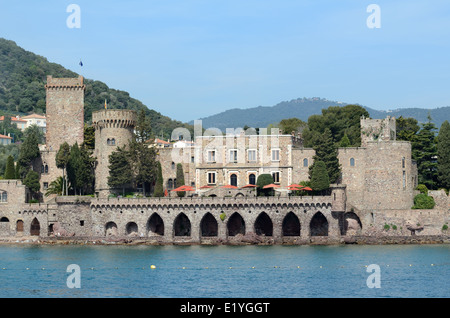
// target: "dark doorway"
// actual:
[[291, 225], [35, 228], [236, 225], [263, 225], [155, 224], [233, 180], [19, 226], [182, 225], [318, 225], [208, 225]]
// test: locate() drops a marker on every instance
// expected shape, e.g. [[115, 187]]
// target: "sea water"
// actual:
[[224, 271]]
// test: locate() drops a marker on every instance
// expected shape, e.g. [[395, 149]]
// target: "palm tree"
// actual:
[[56, 187]]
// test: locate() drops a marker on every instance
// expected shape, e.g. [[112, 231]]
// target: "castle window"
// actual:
[[251, 155], [305, 162], [252, 179], [404, 179], [233, 180], [352, 162], [3, 196], [403, 162], [45, 185], [170, 184], [275, 154], [276, 177], [211, 178], [46, 169], [173, 165], [111, 142], [211, 156], [233, 155]]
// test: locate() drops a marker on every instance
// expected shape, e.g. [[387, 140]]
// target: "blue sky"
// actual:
[[192, 58]]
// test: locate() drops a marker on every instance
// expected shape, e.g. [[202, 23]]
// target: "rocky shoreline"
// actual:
[[249, 239]]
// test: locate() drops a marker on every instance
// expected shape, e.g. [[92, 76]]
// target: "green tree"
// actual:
[[406, 128], [89, 136], [29, 151], [120, 175], [425, 153], [326, 151], [55, 187], [423, 201], [345, 142], [443, 155], [10, 172], [289, 125], [319, 176], [180, 179], [32, 182], [159, 187], [74, 167], [62, 159], [263, 180]]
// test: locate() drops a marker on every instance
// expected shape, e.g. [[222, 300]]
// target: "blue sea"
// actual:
[[224, 271]]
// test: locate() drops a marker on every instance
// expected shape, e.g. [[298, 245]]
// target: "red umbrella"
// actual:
[[229, 186], [183, 188], [249, 186], [307, 189], [271, 186], [295, 186]]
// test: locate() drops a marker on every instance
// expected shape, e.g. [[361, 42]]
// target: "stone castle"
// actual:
[[376, 187]]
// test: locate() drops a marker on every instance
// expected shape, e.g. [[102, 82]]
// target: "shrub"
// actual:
[[423, 201], [386, 227], [444, 227], [394, 227], [422, 188], [223, 216]]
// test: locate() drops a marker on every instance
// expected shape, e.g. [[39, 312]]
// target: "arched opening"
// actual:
[[263, 225], [318, 225], [352, 162], [233, 180], [19, 226], [35, 228], [252, 179], [155, 225], [182, 225], [131, 229], [4, 219], [208, 225], [291, 225], [236, 225], [352, 224], [111, 229]]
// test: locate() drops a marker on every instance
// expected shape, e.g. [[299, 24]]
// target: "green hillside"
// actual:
[[23, 75]]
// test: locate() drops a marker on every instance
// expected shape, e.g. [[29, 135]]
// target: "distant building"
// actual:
[[38, 120], [5, 140], [20, 123]]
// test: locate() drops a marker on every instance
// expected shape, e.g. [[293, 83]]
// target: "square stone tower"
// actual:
[[65, 111]]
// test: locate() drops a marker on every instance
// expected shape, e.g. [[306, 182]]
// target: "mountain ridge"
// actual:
[[302, 108]]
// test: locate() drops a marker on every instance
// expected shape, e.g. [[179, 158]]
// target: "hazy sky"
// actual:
[[193, 58]]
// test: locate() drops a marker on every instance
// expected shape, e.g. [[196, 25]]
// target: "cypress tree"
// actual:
[[326, 151], [10, 172], [62, 159], [443, 154], [29, 150], [319, 176], [180, 180], [74, 167], [424, 152], [119, 169], [159, 188], [32, 182], [345, 142]]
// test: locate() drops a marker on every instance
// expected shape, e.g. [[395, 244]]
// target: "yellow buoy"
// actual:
[[152, 266]]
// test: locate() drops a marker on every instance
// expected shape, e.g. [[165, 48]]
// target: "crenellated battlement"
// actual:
[[65, 83], [114, 118]]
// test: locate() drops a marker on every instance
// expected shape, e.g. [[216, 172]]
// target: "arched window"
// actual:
[[46, 168], [113, 142], [233, 180], [252, 179], [108, 142], [170, 184], [305, 162], [173, 165], [352, 162]]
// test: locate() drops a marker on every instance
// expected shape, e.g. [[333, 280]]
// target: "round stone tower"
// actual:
[[113, 128]]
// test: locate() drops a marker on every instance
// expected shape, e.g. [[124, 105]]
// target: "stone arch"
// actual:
[[35, 227], [291, 225], [111, 229], [182, 225], [208, 225], [131, 229], [352, 224], [263, 225], [155, 225], [235, 225], [318, 226]]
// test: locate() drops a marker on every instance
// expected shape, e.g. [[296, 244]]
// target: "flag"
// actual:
[[166, 193], [81, 63], [105, 105]]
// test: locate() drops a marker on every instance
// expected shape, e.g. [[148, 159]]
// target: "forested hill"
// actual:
[[23, 75], [303, 108]]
